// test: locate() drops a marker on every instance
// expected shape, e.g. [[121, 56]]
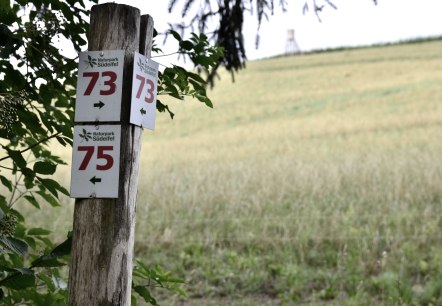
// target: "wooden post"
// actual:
[[103, 235]]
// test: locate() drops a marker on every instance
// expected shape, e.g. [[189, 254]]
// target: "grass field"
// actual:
[[315, 180]]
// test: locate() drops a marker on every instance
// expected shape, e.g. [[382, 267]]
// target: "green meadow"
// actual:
[[316, 179]]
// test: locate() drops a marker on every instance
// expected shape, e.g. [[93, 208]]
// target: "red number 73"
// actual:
[[150, 91], [110, 82], [100, 155]]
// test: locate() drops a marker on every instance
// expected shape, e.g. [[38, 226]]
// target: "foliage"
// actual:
[[36, 105], [36, 98], [178, 82], [146, 278]]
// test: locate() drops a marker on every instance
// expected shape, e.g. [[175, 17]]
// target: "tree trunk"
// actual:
[[103, 235]]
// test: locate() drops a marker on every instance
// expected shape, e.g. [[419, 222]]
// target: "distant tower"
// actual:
[[291, 46]]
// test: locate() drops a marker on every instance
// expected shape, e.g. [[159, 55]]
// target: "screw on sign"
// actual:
[[99, 86], [95, 161]]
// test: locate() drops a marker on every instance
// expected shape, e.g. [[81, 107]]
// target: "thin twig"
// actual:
[[12, 201], [7, 168], [163, 55], [17, 180], [33, 146]]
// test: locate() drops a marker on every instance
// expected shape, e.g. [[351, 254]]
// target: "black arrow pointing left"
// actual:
[[95, 180]]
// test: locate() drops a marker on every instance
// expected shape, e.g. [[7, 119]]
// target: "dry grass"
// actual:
[[360, 126], [306, 159], [315, 178]]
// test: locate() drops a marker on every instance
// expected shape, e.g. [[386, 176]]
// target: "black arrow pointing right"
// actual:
[[95, 180], [100, 104]]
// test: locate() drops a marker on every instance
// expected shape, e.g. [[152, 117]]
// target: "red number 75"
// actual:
[[100, 155]]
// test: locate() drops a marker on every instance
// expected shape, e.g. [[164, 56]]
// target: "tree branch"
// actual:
[[7, 168], [33, 146]]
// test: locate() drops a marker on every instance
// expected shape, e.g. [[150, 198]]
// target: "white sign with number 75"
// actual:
[[95, 161], [144, 92]]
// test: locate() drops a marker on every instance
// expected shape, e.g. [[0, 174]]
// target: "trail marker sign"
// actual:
[[144, 92], [95, 161], [99, 86]]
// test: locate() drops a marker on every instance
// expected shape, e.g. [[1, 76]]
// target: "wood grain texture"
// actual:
[[146, 34], [103, 236]]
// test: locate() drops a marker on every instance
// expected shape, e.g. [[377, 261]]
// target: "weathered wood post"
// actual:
[[103, 236]]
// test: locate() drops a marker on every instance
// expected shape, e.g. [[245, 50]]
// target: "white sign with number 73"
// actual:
[[144, 92], [99, 86]]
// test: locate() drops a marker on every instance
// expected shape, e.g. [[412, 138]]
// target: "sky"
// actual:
[[354, 23]]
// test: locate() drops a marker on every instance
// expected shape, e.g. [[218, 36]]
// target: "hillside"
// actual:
[[316, 179], [308, 174]]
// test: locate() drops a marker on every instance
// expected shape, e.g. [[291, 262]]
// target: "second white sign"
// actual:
[[144, 92]]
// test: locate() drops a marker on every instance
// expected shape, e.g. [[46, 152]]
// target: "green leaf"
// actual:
[[63, 248], [15, 245], [30, 241], [50, 199], [3, 206], [4, 268], [48, 184], [196, 77], [197, 86], [31, 121], [47, 280], [145, 294], [61, 141], [50, 260], [45, 240], [24, 271], [46, 94], [17, 158], [44, 167], [163, 108], [175, 35], [38, 231], [186, 45], [20, 280], [19, 217], [204, 99], [6, 182], [29, 177], [203, 37], [32, 200], [52, 186]]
